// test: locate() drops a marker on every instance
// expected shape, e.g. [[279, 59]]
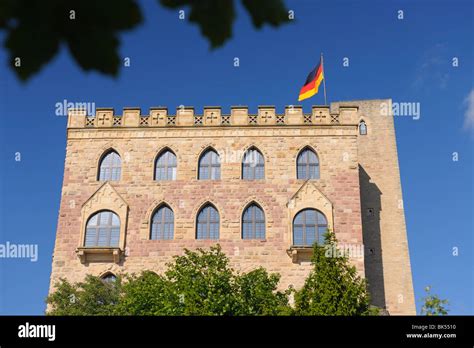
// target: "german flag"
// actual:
[[312, 83]]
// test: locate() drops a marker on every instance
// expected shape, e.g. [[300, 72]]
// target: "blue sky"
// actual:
[[408, 60]]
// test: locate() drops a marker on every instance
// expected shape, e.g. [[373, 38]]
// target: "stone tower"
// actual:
[[125, 209], [387, 261]]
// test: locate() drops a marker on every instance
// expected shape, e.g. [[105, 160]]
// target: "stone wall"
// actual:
[[138, 139], [387, 260]]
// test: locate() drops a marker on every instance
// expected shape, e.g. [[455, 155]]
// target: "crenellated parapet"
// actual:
[[185, 116]]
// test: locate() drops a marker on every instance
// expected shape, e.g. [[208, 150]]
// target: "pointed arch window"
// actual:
[[253, 165], [165, 166], [209, 166], [109, 278], [307, 165], [103, 230], [110, 167], [208, 223], [309, 227], [362, 128], [162, 224], [253, 223]]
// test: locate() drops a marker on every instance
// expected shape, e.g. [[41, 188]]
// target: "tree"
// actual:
[[256, 294], [433, 305], [204, 282], [93, 296], [147, 294], [333, 286], [35, 29], [199, 282]]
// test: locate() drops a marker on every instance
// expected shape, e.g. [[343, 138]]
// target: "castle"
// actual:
[[139, 188]]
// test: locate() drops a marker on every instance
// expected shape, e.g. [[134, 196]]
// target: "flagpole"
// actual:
[[324, 80]]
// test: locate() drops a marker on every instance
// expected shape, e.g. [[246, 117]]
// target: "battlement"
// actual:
[[357, 188], [185, 116]]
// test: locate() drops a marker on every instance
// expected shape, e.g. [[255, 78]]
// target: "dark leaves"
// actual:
[[35, 30], [215, 18], [272, 12]]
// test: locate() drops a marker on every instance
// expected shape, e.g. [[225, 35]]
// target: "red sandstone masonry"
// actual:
[[336, 145], [230, 195]]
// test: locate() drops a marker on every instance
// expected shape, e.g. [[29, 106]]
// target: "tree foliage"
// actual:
[[202, 283], [256, 294], [333, 286], [433, 305], [90, 297], [147, 294], [198, 283], [36, 29]]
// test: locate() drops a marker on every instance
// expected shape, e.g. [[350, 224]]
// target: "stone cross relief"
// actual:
[[266, 116], [211, 117], [320, 116], [103, 118], [156, 117]]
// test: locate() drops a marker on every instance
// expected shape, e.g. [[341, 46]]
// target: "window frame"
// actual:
[[167, 166], [253, 168], [362, 123], [162, 223], [210, 165], [304, 226], [97, 227], [307, 164], [102, 158], [108, 278], [253, 221], [208, 222]]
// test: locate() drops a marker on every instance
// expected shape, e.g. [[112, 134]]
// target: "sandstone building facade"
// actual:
[[139, 188]]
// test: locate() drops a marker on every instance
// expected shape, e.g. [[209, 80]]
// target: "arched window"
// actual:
[[110, 167], [103, 230], [253, 165], [208, 223], [253, 223], [209, 166], [307, 165], [362, 128], [309, 226], [162, 224], [165, 166], [109, 278]]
